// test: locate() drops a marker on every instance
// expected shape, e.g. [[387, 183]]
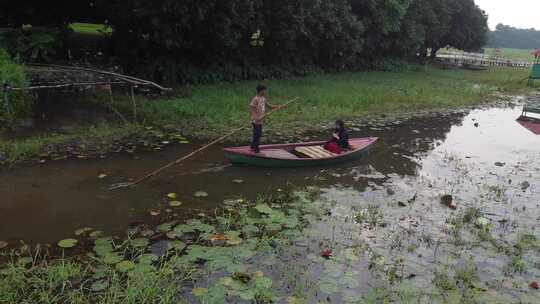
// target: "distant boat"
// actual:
[[530, 124], [308, 154]]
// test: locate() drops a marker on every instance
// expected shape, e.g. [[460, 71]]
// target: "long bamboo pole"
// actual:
[[178, 161]]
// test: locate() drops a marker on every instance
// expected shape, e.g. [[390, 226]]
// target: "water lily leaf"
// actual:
[[238, 181], [250, 230], [184, 142], [165, 227], [25, 261], [172, 195], [147, 259], [99, 286], [263, 283], [82, 231], [154, 212], [200, 194], [177, 245], [233, 238], [294, 300], [218, 237], [247, 294], [96, 234], [350, 254], [125, 266], [3, 244], [147, 232], [263, 208], [226, 281], [174, 234], [199, 292], [482, 222], [112, 259], [68, 243], [140, 242], [328, 287], [102, 176], [175, 204], [183, 228]]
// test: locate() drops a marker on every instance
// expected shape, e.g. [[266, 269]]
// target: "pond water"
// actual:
[[45, 203]]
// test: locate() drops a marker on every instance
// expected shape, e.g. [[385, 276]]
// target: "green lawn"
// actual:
[[218, 108], [90, 28], [512, 54]]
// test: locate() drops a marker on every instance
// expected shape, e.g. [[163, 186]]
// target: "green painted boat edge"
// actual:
[[246, 160]]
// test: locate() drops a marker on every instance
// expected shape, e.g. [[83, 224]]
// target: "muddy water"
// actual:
[[46, 203]]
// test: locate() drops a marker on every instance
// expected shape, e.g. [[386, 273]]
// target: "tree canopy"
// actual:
[[231, 39], [506, 36]]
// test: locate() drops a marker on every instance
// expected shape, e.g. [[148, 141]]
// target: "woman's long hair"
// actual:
[[340, 125]]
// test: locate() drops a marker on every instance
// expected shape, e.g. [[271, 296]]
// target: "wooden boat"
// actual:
[[299, 154]]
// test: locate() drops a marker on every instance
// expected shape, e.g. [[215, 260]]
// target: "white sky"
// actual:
[[516, 13]]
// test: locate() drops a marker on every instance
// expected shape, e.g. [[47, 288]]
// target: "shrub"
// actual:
[[13, 74]]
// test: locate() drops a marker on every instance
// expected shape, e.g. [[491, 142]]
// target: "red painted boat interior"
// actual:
[[287, 151]]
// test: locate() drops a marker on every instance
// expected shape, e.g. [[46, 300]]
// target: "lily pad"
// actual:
[[102, 176], [175, 204], [112, 259], [96, 234], [82, 231], [482, 222], [125, 266], [238, 181], [199, 292], [140, 242], [233, 238], [68, 243], [263, 208], [200, 194], [166, 227], [154, 212], [25, 261], [177, 245], [99, 286], [172, 195], [3, 244]]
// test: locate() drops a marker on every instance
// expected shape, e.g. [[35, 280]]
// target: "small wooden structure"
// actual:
[[77, 79], [535, 72], [530, 108]]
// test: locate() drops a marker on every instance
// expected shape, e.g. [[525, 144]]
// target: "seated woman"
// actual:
[[340, 139]]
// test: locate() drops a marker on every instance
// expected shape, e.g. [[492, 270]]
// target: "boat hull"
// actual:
[[241, 156]]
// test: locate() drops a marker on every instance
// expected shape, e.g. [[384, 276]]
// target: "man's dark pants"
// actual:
[[256, 140]]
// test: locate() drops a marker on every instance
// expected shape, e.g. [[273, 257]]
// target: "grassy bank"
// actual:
[[206, 111], [512, 54], [217, 108]]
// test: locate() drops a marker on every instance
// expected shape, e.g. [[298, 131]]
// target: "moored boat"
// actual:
[[299, 154]]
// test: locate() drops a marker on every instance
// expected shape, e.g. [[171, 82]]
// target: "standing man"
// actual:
[[258, 109]]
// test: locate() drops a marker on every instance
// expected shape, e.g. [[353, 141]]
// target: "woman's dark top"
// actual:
[[343, 138]]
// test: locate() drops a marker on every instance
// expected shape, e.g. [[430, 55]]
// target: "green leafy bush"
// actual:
[[31, 44], [13, 74]]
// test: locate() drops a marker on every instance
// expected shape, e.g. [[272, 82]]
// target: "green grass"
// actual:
[[23, 149], [512, 54], [208, 111], [90, 28], [221, 107]]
